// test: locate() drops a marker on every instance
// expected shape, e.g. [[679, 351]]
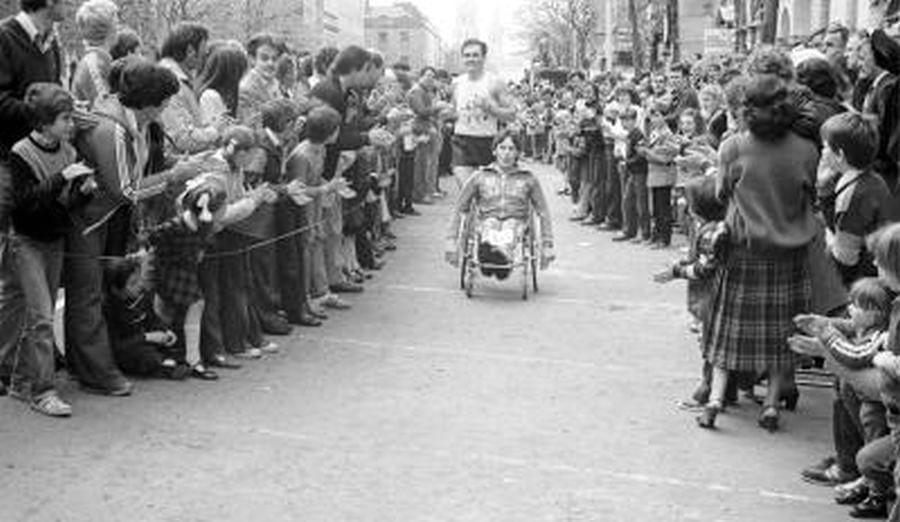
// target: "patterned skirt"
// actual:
[[754, 301]]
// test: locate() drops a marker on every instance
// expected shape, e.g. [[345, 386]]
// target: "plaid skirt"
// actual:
[[754, 301]]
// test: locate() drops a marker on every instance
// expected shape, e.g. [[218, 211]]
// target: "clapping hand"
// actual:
[[664, 276], [806, 345], [380, 137], [812, 324], [264, 194]]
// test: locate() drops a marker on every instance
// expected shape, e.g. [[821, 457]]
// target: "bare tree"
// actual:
[[564, 26], [635, 8], [171, 12]]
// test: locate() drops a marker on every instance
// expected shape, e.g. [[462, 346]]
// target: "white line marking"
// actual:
[[637, 478]]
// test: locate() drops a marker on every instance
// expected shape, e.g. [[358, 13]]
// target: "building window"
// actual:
[[382, 39], [404, 37]]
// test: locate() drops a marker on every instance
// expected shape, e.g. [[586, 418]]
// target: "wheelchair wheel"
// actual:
[[463, 262], [527, 263], [469, 277]]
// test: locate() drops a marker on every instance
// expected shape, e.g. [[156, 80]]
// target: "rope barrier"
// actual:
[[229, 253]]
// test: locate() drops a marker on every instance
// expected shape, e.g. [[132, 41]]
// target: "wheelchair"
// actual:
[[473, 263]]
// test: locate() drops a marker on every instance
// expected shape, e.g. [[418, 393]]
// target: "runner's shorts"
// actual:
[[472, 151]]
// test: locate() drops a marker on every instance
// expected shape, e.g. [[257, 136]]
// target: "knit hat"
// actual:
[[886, 51]]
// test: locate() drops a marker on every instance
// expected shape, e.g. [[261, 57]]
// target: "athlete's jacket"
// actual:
[[513, 195]]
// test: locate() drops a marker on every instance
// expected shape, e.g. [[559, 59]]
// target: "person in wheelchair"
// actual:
[[503, 197]]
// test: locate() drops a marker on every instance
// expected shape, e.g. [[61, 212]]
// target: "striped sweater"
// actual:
[[41, 201]]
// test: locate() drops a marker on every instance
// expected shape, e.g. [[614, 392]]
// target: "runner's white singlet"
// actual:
[[470, 95]]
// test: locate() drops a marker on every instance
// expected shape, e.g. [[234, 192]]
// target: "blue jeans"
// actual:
[[39, 266], [12, 306]]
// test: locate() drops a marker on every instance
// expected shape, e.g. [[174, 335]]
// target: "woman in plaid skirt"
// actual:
[[767, 176]]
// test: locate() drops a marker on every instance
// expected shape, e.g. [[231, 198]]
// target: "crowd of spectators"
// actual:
[[781, 169], [193, 201]]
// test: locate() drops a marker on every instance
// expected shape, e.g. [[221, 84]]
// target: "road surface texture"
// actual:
[[420, 405]]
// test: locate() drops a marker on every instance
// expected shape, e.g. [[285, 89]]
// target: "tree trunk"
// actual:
[[674, 31], [769, 29], [740, 22], [637, 43]]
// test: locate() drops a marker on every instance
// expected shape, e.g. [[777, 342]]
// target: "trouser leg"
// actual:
[[12, 306], [88, 353], [39, 268]]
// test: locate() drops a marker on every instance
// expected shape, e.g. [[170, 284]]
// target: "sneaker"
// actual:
[[334, 302], [50, 404], [269, 347], [249, 353]]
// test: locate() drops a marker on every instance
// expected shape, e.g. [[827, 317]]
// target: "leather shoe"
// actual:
[[306, 320], [222, 361], [122, 388], [198, 371], [346, 288], [874, 506], [623, 237], [274, 325]]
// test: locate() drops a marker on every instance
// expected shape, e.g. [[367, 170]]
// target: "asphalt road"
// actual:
[[422, 405]]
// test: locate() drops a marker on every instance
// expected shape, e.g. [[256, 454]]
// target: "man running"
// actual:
[[481, 103]]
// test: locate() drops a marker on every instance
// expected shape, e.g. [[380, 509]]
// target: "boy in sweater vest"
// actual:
[[47, 183]]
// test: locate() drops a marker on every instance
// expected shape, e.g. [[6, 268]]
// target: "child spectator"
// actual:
[[882, 350], [707, 252], [306, 165], [139, 339], [660, 151], [855, 200], [178, 246], [47, 183], [224, 275], [635, 202], [695, 155]]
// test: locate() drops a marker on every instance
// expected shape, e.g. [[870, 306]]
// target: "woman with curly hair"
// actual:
[[767, 175]]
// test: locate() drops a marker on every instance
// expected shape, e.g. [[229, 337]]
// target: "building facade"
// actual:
[[402, 34], [304, 24]]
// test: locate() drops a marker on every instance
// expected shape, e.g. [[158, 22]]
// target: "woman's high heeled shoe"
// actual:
[[768, 419], [707, 419]]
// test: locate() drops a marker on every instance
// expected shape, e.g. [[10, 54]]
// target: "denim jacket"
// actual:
[[503, 196]]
